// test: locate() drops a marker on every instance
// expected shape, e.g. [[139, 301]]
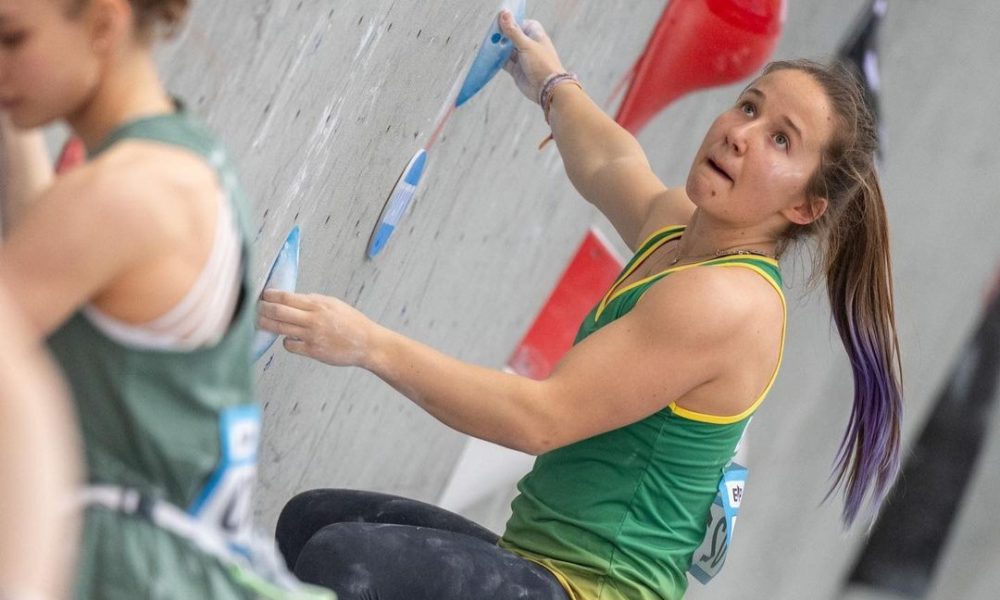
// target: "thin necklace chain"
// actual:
[[722, 253]]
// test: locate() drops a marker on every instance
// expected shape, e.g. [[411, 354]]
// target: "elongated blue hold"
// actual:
[[399, 200], [284, 275], [493, 53]]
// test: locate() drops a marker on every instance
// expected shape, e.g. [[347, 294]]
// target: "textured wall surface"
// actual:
[[323, 103]]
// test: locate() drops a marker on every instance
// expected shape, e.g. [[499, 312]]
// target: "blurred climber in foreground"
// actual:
[[39, 468], [135, 268]]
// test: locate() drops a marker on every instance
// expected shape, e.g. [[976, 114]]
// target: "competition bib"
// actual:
[[225, 503], [711, 555]]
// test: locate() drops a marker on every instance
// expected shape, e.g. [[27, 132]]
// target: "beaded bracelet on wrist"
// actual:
[[548, 89]]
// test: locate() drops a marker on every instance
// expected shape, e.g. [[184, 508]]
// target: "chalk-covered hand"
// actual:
[[534, 57], [320, 327]]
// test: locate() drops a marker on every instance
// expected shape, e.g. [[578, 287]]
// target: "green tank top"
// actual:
[[155, 421], [618, 516]]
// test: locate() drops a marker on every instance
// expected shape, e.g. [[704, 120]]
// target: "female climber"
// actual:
[[135, 268], [636, 426]]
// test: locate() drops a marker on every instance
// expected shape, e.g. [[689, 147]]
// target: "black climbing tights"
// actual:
[[369, 546]]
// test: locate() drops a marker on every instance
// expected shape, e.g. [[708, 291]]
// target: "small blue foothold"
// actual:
[[493, 54], [399, 200]]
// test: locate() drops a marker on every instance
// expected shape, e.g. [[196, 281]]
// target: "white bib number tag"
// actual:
[[711, 555], [225, 502]]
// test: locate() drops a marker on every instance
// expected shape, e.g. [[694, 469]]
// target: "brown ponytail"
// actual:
[[854, 255]]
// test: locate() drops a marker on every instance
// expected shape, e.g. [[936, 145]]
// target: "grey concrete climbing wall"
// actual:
[[323, 102]]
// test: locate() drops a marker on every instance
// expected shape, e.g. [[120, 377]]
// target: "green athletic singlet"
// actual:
[[166, 424], [619, 515]]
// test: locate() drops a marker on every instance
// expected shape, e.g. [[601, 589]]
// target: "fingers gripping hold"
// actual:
[[299, 301], [510, 28], [320, 327], [523, 35], [534, 57], [281, 328], [284, 313], [534, 30]]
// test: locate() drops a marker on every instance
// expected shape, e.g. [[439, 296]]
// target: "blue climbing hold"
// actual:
[[493, 53]]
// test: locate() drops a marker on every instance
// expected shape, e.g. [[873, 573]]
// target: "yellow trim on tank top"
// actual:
[[636, 261], [728, 420], [614, 293]]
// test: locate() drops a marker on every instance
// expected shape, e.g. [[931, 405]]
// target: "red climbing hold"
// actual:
[[590, 273], [699, 44]]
